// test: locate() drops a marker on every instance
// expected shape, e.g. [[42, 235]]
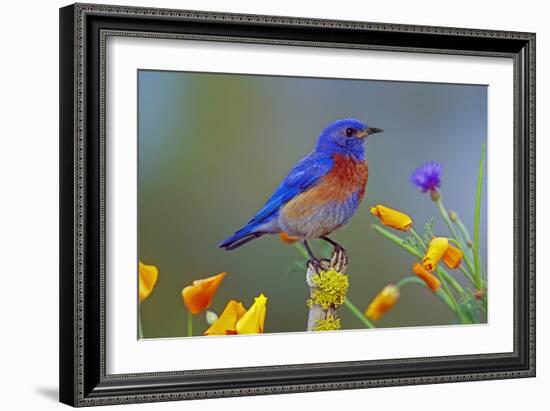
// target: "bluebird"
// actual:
[[321, 192]]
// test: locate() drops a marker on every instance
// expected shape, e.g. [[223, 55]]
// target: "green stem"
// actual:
[[452, 303], [453, 241], [140, 326], [456, 285], [484, 302], [446, 299], [477, 216], [482, 274], [466, 241], [418, 238], [360, 316], [301, 250], [400, 242], [445, 295], [409, 280], [467, 274], [448, 291], [464, 271], [445, 215], [440, 293], [397, 240], [189, 324], [463, 231]]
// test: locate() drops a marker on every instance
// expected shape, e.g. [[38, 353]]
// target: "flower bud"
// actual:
[[434, 195], [198, 296], [392, 218], [211, 317], [148, 276], [436, 249], [385, 300], [431, 280]]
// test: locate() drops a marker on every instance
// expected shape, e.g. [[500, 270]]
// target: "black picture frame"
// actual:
[[83, 29]]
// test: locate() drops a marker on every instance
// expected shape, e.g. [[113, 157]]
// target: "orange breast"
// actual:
[[349, 175], [346, 177]]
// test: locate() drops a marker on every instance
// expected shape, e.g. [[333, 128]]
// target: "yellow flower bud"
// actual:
[[392, 218], [436, 249], [385, 300], [148, 276]]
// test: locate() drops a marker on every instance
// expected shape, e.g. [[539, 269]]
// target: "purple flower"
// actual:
[[427, 177]]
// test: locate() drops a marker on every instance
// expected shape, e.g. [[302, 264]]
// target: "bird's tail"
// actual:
[[241, 237]]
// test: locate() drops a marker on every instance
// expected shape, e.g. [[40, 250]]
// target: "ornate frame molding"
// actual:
[[82, 298]]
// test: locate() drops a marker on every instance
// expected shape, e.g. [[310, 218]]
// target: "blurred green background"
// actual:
[[212, 147]]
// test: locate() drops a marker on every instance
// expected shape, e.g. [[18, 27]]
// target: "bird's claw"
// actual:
[[339, 260], [317, 265]]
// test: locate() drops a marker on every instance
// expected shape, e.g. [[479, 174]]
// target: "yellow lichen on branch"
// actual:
[[327, 324], [328, 285], [330, 289]]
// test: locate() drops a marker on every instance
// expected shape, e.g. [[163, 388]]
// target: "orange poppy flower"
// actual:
[[227, 321], [436, 249], [198, 296], [252, 322], [385, 300], [235, 319], [148, 276], [452, 257], [431, 280], [392, 218]]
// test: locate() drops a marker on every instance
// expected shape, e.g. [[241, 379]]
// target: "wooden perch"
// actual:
[[338, 262]]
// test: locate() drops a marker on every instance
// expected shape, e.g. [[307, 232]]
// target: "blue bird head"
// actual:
[[346, 136]]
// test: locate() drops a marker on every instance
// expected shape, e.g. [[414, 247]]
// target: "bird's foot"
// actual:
[[339, 260], [317, 265]]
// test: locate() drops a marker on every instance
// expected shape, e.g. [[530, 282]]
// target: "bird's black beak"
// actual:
[[373, 130]]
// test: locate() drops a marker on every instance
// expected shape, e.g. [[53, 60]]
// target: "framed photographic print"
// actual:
[[260, 204]]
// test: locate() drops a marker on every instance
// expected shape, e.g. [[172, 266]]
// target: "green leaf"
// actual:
[[471, 307], [297, 266], [429, 230], [397, 240], [412, 242], [324, 249], [477, 216]]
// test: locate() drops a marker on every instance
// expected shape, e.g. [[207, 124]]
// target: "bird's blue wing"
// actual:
[[304, 175]]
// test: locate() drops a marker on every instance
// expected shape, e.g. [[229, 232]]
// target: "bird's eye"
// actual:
[[349, 131]]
